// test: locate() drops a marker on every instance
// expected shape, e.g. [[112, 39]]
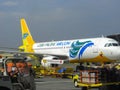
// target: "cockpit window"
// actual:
[[115, 44], [108, 44], [111, 44]]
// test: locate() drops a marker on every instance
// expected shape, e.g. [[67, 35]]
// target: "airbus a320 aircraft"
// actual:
[[79, 50]]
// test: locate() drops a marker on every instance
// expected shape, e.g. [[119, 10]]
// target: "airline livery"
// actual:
[[100, 49]]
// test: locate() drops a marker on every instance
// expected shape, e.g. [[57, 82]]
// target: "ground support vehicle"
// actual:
[[62, 72], [37, 70], [15, 74], [41, 71], [100, 78], [53, 72]]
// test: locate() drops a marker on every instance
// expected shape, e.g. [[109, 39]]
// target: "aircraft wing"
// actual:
[[40, 55]]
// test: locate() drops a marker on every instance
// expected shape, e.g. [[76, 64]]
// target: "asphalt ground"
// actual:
[[48, 83]]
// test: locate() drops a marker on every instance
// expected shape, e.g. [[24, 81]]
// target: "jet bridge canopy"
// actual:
[[115, 36]]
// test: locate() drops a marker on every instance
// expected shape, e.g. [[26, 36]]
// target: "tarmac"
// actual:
[[48, 83]]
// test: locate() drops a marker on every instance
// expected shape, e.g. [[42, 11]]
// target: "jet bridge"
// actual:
[[115, 36]]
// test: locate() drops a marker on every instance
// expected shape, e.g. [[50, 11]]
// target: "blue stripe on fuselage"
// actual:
[[84, 48]]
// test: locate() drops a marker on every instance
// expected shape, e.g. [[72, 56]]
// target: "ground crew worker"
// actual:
[[12, 71], [9, 67], [32, 72], [80, 67], [21, 67]]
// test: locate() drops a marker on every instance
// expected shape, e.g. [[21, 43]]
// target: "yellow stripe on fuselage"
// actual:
[[101, 59]]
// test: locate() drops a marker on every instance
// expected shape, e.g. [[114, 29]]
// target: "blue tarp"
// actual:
[[61, 70]]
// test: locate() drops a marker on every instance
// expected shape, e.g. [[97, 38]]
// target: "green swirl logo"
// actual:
[[78, 48], [25, 35]]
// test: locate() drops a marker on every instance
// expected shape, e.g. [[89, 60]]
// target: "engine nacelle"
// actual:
[[51, 61]]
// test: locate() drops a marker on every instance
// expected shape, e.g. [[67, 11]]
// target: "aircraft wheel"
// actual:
[[84, 88], [103, 88], [76, 84]]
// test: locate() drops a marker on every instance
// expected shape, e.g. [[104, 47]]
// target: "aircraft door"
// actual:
[[95, 49]]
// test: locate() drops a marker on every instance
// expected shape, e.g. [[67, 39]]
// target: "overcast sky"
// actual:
[[58, 19]]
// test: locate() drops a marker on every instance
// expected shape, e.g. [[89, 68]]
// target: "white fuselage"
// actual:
[[92, 49]]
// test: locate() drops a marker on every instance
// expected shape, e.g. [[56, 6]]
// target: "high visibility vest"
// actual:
[[9, 66]]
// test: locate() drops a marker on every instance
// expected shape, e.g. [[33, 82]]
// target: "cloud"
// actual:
[[9, 3]]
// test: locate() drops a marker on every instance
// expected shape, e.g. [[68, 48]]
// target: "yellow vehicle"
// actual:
[[62, 72], [99, 78]]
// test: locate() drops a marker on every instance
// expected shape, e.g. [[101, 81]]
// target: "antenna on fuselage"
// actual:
[[102, 36]]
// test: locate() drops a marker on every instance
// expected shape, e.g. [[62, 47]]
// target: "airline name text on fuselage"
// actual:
[[51, 44]]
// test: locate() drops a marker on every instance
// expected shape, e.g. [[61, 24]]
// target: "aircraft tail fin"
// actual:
[[27, 39]]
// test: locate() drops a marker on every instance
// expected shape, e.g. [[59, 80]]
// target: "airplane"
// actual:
[[100, 49]]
